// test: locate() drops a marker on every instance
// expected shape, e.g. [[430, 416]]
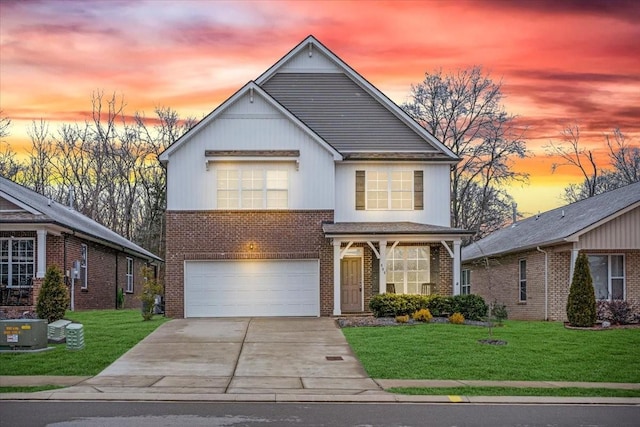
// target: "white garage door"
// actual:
[[252, 288]]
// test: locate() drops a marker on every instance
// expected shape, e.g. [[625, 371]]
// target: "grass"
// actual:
[[108, 334], [516, 391], [29, 389], [536, 351]]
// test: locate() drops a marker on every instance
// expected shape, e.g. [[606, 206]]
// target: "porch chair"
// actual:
[[428, 288], [391, 288]]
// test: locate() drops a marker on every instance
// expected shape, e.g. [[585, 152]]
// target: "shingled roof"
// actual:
[[556, 226], [50, 212]]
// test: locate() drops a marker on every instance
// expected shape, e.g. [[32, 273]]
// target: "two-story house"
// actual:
[[304, 194]]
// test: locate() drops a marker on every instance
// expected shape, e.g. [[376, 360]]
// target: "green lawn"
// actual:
[[542, 351], [514, 391], [108, 334]]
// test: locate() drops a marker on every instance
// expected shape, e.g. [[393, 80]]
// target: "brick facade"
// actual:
[[500, 281], [106, 270], [201, 235]]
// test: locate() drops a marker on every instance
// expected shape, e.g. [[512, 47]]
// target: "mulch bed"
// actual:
[[349, 322]]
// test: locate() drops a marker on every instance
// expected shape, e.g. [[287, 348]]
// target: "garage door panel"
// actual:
[[252, 288]]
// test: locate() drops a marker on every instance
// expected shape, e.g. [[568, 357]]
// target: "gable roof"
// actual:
[[251, 89], [560, 225], [40, 210], [340, 109], [345, 109]]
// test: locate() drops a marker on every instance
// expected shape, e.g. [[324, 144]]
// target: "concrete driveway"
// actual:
[[238, 356]]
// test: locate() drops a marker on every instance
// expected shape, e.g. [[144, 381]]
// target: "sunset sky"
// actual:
[[561, 61]]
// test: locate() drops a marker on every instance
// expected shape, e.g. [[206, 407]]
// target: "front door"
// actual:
[[350, 284]]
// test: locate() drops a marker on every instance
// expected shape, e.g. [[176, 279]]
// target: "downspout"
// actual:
[[546, 284], [116, 305]]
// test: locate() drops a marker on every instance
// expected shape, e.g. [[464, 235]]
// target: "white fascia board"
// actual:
[[164, 156], [364, 83], [17, 202], [412, 238]]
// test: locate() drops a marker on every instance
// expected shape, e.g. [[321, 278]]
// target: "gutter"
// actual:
[[546, 284]]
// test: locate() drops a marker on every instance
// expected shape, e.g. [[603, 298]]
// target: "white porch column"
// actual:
[[41, 244], [336, 277], [456, 267], [574, 257], [383, 266]]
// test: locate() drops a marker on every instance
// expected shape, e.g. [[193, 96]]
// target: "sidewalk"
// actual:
[[332, 390]]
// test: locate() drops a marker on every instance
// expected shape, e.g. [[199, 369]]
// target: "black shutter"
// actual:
[[418, 191], [360, 193]]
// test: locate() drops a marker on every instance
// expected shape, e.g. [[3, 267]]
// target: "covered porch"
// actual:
[[392, 257]]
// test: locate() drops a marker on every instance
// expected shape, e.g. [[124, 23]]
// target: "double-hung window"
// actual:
[[522, 280], [84, 264], [17, 260], [252, 188], [129, 275], [607, 272], [408, 268], [389, 189], [465, 285]]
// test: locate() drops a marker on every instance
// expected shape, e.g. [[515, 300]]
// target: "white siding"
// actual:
[[436, 195], [250, 126], [317, 62], [622, 232]]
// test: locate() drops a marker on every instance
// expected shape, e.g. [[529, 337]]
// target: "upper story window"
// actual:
[[17, 257], [253, 188], [389, 190]]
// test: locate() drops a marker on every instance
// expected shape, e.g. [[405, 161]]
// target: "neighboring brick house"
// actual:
[[530, 263], [36, 232], [304, 194]]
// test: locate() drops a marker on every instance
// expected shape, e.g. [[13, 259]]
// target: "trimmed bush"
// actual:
[[581, 305], [53, 298], [472, 307], [456, 319], [422, 315], [391, 305]]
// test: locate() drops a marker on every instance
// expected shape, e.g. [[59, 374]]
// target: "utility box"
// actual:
[[23, 334], [75, 336], [56, 330]]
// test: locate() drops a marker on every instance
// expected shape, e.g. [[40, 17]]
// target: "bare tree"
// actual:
[[571, 153], [9, 165], [623, 166], [464, 111]]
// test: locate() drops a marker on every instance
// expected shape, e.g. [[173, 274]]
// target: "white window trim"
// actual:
[[522, 281], [9, 241], [264, 190], [465, 282], [405, 271], [389, 173], [610, 277], [84, 265], [129, 275]]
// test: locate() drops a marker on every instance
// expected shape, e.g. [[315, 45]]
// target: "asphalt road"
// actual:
[[145, 414]]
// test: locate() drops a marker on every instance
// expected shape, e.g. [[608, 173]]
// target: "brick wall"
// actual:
[[103, 276], [205, 235], [501, 281]]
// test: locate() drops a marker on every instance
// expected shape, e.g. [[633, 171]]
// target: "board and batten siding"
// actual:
[[249, 125], [436, 194], [317, 62], [622, 232]]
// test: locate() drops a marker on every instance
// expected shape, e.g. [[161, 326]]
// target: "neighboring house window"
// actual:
[[17, 261], [252, 189], [83, 266], [523, 280], [408, 268], [607, 272], [465, 286], [129, 274], [389, 190]]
